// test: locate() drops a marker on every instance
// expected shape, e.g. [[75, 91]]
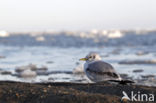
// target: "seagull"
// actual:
[[98, 70]]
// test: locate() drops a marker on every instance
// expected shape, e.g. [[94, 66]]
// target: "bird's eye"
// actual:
[[93, 56]]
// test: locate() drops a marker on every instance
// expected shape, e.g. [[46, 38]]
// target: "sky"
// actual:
[[41, 15]]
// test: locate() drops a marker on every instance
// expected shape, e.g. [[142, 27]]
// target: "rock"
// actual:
[[138, 71], [32, 66], [148, 76], [67, 92], [22, 68], [2, 57], [138, 62], [124, 75], [6, 72], [50, 78], [43, 68], [42, 72], [49, 62]]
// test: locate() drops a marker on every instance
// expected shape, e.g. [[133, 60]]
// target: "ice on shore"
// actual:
[[30, 70]]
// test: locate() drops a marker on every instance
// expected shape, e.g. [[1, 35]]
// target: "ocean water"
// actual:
[[60, 60], [64, 60]]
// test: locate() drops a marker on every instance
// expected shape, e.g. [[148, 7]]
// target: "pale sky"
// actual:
[[40, 15]]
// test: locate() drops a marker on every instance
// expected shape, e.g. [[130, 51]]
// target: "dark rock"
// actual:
[[6, 73], [138, 71], [49, 62], [17, 92]]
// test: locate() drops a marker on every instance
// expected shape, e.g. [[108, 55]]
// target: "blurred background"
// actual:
[[42, 40]]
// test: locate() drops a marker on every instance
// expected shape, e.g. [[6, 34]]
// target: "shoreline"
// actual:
[[62, 92]]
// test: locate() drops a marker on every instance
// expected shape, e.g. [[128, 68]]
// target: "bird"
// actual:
[[98, 70]]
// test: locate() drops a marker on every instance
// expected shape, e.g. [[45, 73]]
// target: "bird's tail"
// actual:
[[124, 82]]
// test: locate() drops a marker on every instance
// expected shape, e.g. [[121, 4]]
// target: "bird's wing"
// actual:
[[103, 68]]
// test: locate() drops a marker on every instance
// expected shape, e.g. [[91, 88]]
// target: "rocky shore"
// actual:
[[18, 92]]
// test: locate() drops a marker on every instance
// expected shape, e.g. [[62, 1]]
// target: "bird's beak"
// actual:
[[83, 59]]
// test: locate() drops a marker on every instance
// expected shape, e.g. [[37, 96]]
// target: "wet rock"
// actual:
[[43, 68], [66, 78], [42, 72], [32, 67], [147, 81], [60, 72], [148, 76], [79, 81], [17, 92], [6, 72], [138, 71], [138, 62], [50, 78], [49, 62], [22, 68], [2, 57], [126, 76]]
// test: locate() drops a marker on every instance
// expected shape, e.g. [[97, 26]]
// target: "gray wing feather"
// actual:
[[102, 68]]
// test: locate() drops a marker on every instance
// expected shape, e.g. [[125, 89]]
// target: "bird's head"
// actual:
[[91, 57]]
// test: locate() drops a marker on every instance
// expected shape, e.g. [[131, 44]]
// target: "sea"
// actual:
[[55, 56]]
